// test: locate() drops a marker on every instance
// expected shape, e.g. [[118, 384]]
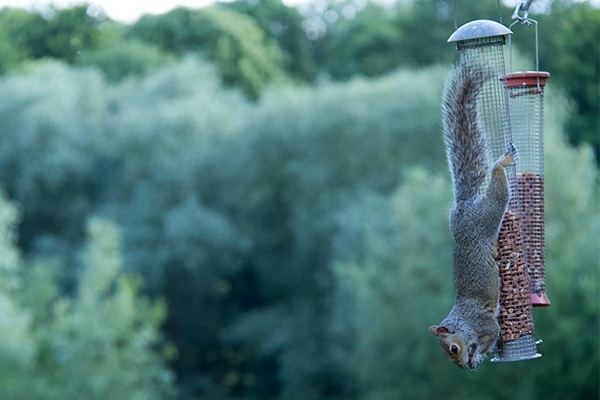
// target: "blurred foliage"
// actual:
[[284, 26], [297, 233], [12, 54], [17, 348], [368, 44], [101, 342], [42, 111], [57, 32], [569, 54], [126, 58], [231, 40]]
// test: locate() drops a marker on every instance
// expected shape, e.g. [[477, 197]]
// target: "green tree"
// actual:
[[571, 55], [102, 342], [68, 31], [57, 124], [232, 41], [314, 152], [366, 44], [24, 30], [11, 56], [283, 25], [125, 58], [17, 346], [60, 33], [166, 143]]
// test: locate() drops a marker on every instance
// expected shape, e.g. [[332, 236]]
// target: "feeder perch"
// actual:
[[481, 47]]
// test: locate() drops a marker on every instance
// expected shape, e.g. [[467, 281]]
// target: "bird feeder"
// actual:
[[525, 92], [526, 98], [481, 46]]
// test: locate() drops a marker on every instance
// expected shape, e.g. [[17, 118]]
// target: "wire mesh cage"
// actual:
[[481, 46], [517, 341], [526, 108]]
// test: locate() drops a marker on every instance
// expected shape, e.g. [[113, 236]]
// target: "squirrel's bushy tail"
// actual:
[[464, 137]]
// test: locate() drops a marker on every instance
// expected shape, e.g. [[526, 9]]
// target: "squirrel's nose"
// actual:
[[471, 352]]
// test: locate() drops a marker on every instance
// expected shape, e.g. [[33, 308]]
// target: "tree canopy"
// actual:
[[233, 41]]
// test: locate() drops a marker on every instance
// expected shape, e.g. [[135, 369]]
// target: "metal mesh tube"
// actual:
[[526, 109], [516, 341], [515, 306], [487, 55]]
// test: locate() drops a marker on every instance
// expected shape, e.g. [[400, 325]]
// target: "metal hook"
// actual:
[[524, 7]]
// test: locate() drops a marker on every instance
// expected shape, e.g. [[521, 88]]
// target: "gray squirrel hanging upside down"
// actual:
[[471, 328]]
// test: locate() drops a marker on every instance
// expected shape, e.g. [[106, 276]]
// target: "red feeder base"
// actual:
[[539, 300]]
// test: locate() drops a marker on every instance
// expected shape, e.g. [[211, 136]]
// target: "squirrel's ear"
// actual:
[[439, 330]]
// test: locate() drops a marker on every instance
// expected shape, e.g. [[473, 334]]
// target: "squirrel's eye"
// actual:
[[454, 349]]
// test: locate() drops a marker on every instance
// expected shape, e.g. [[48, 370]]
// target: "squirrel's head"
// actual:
[[461, 349]]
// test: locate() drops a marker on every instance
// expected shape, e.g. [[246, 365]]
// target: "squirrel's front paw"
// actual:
[[510, 157], [512, 150]]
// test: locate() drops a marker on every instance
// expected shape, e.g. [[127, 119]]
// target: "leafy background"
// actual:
[[249, 201]]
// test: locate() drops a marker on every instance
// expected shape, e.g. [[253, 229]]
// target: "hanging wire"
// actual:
[[454, 9], [499, 12]]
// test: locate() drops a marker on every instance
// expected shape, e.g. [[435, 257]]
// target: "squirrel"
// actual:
[[471, 328]]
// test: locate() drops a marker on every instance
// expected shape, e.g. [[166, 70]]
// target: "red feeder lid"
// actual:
[[526, 79]]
